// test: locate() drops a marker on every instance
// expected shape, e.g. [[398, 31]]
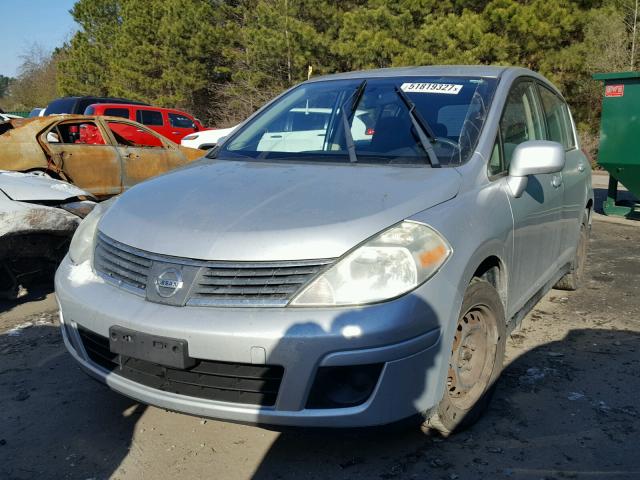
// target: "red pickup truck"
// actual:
[[173, 124]]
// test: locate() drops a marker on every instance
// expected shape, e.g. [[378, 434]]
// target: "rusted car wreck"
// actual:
[[102, 155], [38, 216]]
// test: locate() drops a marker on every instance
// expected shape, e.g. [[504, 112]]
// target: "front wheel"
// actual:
[[475, 361]]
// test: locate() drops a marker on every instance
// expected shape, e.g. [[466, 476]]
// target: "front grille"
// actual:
[[266, 285], [126, 268], [226, 284], [221, 381]]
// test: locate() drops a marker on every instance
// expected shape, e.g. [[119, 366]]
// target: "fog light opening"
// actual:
[[342, 387]]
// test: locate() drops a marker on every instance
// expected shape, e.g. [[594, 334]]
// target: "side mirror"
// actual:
[[533, 157]]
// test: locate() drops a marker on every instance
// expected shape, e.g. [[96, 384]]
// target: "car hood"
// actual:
[[26, 187], [254, 211]]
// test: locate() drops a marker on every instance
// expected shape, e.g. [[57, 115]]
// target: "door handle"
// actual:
[[556, 181], [175, 133], [580, 167]]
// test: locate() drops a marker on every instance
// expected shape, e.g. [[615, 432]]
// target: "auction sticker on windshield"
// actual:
[[448, 88]]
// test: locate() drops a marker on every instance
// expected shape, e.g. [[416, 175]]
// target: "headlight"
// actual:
[[386, 266], [190, 137], [82, 242]]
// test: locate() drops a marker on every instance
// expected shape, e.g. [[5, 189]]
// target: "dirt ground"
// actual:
[[566, 405]]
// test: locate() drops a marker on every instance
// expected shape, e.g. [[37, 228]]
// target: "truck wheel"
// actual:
[[573, 279], [475, 361]]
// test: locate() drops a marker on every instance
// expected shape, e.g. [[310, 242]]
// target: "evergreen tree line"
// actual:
[[222, 59]]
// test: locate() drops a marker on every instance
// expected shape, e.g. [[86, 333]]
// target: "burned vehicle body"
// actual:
[[352, 255], [102, 155], [38, 216]]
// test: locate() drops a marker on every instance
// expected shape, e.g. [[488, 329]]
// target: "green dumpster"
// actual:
[[619, 151]]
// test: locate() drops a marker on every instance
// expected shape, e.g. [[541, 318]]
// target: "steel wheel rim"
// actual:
[[472, 356]]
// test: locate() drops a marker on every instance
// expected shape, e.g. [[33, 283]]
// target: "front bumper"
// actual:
[[404, 335]]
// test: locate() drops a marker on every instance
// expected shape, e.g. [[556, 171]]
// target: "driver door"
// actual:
[[81, 150], [537, 214], [144, 154]]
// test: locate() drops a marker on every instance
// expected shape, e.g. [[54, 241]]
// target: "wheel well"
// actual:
[[492, 270]]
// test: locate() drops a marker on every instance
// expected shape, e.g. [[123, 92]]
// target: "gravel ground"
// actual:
[[566, 405]]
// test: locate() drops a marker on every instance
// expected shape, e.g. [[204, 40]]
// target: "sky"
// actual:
[[25, 22]]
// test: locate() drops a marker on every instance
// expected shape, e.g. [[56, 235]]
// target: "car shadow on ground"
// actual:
[[566, 409], [56, 421]]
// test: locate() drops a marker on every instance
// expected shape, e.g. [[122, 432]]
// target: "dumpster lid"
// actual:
[[616, 75]]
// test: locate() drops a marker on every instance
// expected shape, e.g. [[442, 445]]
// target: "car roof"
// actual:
[[136, 105], [97, 97], [490, 71], [36, 124]]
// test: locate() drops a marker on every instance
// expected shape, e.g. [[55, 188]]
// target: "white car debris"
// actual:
[[38, 216], [206, 139]]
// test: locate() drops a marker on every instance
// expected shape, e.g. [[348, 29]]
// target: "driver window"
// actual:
[[521, 119], [128, 135], [75, 133]]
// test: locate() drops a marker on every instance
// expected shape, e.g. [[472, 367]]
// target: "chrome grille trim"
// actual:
[[120, 267], [217, 283]]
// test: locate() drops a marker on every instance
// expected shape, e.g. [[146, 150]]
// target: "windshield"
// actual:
[[308, 123]]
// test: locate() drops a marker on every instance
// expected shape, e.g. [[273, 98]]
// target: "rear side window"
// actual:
[[128, 135], [521, 119], [149, 117], [61, 105], [84, 103], [90, 110], [557, 118], [117, 112], [180, 121]]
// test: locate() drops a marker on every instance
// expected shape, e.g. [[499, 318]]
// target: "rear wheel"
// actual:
[[573, 279], [475, 361]]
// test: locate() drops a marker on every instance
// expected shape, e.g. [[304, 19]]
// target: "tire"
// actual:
[[572, 280], [470, 382]]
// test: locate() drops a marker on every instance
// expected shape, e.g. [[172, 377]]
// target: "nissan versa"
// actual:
[[353, 255]]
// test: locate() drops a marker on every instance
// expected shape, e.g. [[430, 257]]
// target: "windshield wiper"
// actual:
[[357, 96], [425, 134]]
